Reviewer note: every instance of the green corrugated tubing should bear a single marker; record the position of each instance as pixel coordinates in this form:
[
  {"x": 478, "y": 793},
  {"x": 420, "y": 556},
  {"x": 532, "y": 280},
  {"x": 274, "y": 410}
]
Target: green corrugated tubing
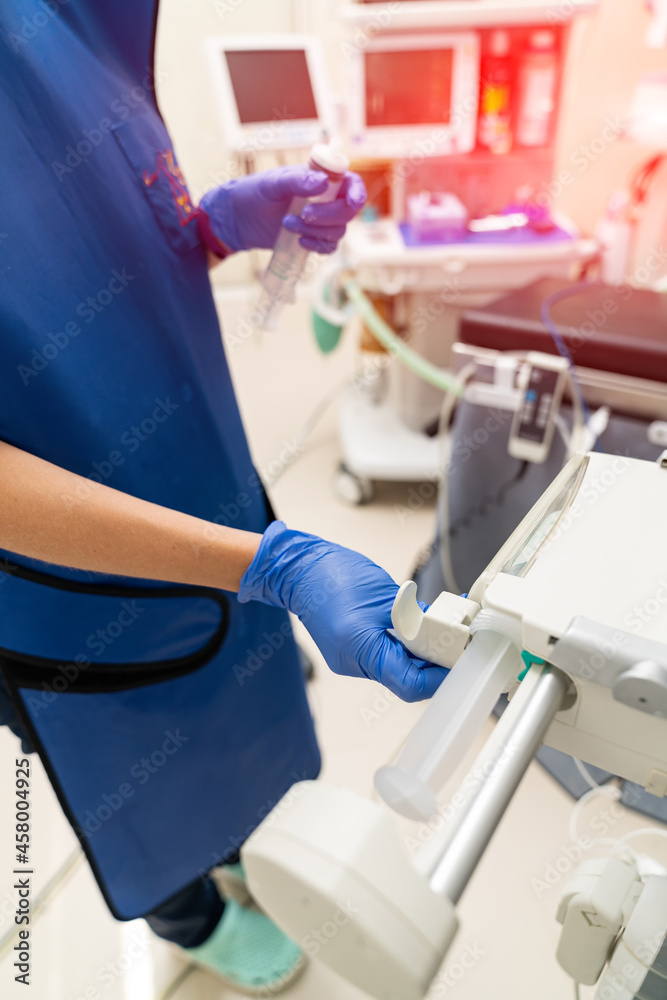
[{"x": 438, "y": 377}]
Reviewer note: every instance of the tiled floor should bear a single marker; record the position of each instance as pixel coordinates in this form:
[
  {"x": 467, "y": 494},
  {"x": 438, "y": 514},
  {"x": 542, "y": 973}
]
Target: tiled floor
[{"x": 508, "y": 928}]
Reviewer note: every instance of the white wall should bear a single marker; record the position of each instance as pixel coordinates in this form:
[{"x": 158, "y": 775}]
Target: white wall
[{"x": 607, "y": 56}]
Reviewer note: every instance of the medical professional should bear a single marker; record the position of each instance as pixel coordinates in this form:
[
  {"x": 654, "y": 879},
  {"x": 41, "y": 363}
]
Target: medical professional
[{"x": 145, "y": 586}]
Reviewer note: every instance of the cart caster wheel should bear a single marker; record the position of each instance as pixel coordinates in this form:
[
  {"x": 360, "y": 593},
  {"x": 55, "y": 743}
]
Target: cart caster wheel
[{"x": 350, "y": 488}]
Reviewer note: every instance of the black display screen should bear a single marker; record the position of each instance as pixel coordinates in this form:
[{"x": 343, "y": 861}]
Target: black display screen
[
  {"x": 271, "y": 85},
  {"x": 537, "y": 403}
]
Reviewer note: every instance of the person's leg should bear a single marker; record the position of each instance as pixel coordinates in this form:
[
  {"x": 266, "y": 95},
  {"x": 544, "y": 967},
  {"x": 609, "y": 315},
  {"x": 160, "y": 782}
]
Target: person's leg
[
  {"x": 240, "y": 945},
  {"x": 189, "y": 918}
]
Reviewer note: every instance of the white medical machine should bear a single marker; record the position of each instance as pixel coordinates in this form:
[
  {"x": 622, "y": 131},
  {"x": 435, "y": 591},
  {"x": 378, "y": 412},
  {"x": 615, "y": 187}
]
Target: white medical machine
[
  {"x": 382, "y": 431},
  {"x": 415, "y": 92},
  {"x": 569, "y": 619},
  {"x": 272, "y": 91}
]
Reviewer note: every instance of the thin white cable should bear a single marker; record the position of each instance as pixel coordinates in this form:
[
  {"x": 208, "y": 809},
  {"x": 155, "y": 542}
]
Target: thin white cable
[
  {"x": 448, "y": 405},
  {"x": 611, "y": 791},
  {"x": 644, "y": 831},
  {"x": 585, "y": 773},
  {"x": 618, "y": 844},
  {"x": 305, "y": 431},
  {"x": 595, "y": 428}
]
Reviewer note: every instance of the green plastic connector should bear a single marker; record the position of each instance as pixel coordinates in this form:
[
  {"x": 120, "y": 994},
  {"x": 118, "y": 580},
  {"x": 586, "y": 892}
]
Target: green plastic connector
[{"x": 529, "y": 659}]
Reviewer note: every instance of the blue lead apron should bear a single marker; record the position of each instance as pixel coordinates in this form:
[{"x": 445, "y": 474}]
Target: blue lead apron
[{"x": 170, "y": 719}]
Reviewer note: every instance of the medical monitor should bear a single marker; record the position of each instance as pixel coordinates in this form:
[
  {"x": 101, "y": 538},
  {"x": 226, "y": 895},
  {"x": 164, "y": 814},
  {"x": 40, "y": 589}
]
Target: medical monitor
[
  {"x": 272, "y": 90},
  {"x": 414, "y": 95}
]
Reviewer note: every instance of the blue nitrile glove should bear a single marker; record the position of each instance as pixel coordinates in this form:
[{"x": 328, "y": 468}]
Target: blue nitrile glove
[
  {"x": 248, "y": 212},
  {"x": 345, "y": 602}
]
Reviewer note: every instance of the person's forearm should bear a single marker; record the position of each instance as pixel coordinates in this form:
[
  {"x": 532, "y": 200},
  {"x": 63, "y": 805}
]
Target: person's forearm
[{"x": 50, "y": 514}]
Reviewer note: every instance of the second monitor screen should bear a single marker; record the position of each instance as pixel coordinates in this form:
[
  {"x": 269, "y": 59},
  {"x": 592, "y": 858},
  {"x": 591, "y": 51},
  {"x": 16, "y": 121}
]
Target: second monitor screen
[{"x": 412, "y": 87}]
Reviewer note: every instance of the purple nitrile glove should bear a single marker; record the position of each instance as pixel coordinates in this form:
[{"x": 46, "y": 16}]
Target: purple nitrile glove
[
  {"x": 248, "y": 212},
  {"x": 345, "y": 602}
]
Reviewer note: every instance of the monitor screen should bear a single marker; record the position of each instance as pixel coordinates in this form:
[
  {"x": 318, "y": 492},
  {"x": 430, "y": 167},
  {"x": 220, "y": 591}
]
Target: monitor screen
[
  {"x": 408, "y": 87},
  {"x": 271, "y": 84}
]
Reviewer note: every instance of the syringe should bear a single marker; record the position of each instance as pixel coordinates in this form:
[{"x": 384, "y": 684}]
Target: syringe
[{"x": 289, "y": 257}]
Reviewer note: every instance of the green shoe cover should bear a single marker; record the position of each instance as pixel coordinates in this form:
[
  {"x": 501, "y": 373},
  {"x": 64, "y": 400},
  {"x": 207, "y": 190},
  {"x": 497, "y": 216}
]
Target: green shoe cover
[{"x": 249, "y": 952}]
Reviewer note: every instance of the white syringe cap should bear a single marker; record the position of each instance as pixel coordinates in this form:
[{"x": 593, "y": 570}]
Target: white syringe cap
[{"x": 329, "y": 156}]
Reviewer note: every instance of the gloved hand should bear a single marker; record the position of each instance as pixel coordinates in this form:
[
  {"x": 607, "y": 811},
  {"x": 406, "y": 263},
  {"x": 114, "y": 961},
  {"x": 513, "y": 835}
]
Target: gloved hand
[
  {"x": 248, "y": 212},
  {"x": 345, "y": 602}
]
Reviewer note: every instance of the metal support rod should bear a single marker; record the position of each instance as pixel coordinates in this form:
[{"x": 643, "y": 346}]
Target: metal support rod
[{"x": 500, "y": 773}]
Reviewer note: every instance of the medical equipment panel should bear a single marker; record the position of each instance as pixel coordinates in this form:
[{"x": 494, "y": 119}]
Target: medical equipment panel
[
  {"x": 272, "y": 91},
  {"x": 414, "y": 92},
  {"x": 542, "y": 382},
  {"x": 613, "y": 328},
  {"x": 551, "y": 617}
]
